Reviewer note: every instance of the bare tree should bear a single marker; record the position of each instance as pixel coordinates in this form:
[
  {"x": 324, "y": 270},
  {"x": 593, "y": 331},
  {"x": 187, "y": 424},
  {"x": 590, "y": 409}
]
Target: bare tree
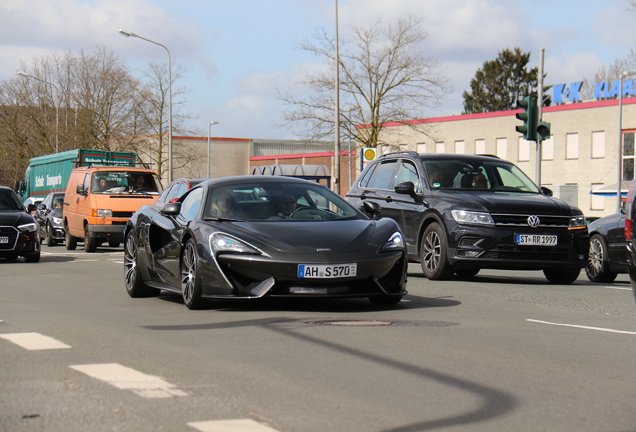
[
  {"x": 88, "y": 100},
  {"x": 385, "y": 77},
  {"x": 150, "y": 118}
]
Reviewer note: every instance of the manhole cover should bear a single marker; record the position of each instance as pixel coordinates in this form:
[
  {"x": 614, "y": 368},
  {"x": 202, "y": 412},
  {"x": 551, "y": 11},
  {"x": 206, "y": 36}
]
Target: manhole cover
[
  {"x": 354, "y": 323},
  {"x": 363, "y": 323}
]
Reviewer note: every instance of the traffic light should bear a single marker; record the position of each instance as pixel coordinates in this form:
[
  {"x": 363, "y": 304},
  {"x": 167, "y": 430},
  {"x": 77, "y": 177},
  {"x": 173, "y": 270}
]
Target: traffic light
[
  {"x": 543, "y": 131},
  {"x": 529, "y": 118}
]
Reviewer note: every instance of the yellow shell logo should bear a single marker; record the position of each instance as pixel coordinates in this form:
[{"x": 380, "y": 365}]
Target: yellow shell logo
[{"x": 369, "y": 154}]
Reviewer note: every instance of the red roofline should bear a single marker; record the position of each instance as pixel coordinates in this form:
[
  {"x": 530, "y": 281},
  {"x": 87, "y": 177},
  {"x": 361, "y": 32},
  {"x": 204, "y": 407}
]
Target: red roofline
[
  {"x": 212, "y": 138},
  {"x": 556, "y": 108},
  {"x": 300, "y": 155}
]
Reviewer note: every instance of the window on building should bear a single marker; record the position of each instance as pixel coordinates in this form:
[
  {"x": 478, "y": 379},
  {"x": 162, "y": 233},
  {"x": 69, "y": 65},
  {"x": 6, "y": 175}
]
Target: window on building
[
  {"x": 628, "y": 155},
  {"x": 439, "y": 147},
  {"x": 524, "y": 150},
  {"x": 597, "y": 202},
  {"x": 460, "y": 147},
  {"x": 598, "y": 144},
  {"x": 480, "y": 146},
  {"x": 572, "y": 146},
  {"x": 502, "y": 147},
  {"x": 421, "y": 147},
  {"x": 404, "y": 147},
  {"x": 547, "y": 149}
]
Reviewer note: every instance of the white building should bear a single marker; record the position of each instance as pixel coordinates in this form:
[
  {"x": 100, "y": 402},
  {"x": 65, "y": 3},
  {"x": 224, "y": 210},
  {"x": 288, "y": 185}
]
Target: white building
[{"x": 580, "y": 157}]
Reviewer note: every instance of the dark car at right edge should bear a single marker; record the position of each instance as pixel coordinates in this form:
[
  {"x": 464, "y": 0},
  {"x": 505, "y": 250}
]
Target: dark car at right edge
[{"x": 463, "y": 213}]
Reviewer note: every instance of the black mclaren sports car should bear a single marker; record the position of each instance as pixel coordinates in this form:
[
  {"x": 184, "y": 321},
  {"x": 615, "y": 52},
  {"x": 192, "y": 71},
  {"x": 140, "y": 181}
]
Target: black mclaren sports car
[{"x": 251, "y": 237}]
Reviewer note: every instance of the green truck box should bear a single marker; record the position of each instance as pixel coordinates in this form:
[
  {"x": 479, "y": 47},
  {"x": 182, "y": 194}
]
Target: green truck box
[{"x": 50, "y": 173}]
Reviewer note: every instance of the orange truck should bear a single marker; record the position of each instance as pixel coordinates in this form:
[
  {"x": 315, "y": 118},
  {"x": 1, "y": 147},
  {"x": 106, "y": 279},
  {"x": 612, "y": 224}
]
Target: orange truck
[{"x": 99, "y": 200}]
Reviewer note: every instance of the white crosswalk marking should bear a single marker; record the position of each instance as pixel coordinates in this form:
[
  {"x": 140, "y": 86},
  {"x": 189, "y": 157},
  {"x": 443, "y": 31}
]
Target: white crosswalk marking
[
  {"x": 122, "y": 377},
  {"x": 34, "y": 341},
  {"x": 240, "y": 425}
]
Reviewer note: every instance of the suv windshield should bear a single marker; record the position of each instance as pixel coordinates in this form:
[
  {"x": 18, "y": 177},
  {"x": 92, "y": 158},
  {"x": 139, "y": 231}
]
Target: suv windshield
[
  {"x": 124, "y": 182},
  {"x": 495, "y": 175}
]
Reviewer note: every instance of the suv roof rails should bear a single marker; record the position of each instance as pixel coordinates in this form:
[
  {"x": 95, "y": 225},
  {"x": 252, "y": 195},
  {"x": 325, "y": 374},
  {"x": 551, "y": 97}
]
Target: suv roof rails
[
  {"x": 489, "y": 155},
  {"x": 404, "y": 152}
]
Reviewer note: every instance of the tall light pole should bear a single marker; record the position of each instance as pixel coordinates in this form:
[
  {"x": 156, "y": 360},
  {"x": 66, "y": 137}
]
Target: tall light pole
[
  {"x": 336, "y": 166},
  {"x": 212, "y": 123},
  {"x": 57, "y": 106},
  {"x": 128, "y": 34},
  {"x": 624, "y": 75}
]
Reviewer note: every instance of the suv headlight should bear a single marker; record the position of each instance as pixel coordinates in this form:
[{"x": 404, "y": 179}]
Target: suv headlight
[
  {"x": 27, "y": 228},
  {"x": 224, "y": 243},
  {"x": 57, "y": 220},
  {"x": 394, "y": 242},
  {"x": 472, "y": 218},
  {"x": 577, "y": 222}
]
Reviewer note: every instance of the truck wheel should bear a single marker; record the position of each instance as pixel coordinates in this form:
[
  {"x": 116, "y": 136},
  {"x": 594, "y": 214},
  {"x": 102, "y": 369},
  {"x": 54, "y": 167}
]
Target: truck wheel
[
  {"x": 433, "y": 254},
  {"x": 90, "y": 243},
  {"x": 71, "y": 241}
]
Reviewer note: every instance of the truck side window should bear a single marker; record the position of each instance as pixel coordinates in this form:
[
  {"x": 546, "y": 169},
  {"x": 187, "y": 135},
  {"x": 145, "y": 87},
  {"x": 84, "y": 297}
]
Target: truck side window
[{"x": 87, "y": 181}]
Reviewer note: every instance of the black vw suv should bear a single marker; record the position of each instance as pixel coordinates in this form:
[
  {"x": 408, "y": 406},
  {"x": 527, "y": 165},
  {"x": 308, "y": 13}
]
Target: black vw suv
[{"x": 462, "y": 213}]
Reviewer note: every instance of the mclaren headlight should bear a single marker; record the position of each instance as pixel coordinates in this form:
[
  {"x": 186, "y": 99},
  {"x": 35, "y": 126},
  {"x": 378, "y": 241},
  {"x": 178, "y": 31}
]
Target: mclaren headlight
[
  {"x": 394, "y": 242},
  {"x": 467, "y": 217},
  {"x": 223, "y": 243},
  {"x": 577, "y": 222},
  {"x": 27, "y": 228}
]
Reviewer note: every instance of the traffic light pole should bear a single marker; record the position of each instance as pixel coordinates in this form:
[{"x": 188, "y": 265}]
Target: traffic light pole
[{"x": 539, "y": 114}]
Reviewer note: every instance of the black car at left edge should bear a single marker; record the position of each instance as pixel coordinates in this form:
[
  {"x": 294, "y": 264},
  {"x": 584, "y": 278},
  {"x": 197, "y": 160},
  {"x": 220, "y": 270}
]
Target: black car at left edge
[
  {"x": 250, "y": 237},
  {"x": 18, "y": 230}
]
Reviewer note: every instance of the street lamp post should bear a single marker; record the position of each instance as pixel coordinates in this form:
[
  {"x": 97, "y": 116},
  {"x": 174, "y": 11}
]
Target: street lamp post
[
  {"x": 619, "y": 184},
  {"x": 128, "y": 34},
  {"x": 57, "y": 106},
  {"x": 212, "y": 123}
]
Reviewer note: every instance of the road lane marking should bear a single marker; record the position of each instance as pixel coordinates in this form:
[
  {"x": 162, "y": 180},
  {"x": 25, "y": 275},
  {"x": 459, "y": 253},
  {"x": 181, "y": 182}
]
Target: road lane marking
[
  {"x": 617, "y": 288},
  {"x": 583, "y": 327},
  {"x": 34, "y": 341},
  {"x": 122, "y": 377},
  {"x": 239, "y": 425}
]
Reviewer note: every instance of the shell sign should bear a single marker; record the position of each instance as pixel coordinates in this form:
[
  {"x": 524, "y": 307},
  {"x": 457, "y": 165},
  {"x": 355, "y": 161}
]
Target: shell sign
[{"x": 368, "y": 154}]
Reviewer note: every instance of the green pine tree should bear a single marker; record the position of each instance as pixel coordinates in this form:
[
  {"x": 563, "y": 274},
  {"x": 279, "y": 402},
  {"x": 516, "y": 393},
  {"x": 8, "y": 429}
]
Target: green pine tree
[{"x": 500, "y": 83}]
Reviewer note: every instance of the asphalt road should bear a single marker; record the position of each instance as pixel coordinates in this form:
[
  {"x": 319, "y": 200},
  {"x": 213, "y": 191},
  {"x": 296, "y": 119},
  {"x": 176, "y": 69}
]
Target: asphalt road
[{"x": 506, "y": 351}]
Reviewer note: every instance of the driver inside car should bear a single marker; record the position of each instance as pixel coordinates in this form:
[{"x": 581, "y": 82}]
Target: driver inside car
[{"x": 285, "y": 206}]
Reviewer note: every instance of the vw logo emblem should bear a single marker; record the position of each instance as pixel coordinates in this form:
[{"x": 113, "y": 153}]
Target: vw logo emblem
[{"x": 533, "y": 221}]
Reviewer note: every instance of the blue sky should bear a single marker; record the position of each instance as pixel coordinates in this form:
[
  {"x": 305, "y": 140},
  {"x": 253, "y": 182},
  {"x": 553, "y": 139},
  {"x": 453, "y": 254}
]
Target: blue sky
[{"x": 239, "y": 52}]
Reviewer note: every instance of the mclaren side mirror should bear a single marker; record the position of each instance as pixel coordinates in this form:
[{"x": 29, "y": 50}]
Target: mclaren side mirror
[
  {"x": 372, "y": 208},
  {"x": 171, "y": 209}
]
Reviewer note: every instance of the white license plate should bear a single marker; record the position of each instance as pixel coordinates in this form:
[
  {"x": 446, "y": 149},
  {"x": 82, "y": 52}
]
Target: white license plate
[
  {"x": 4, "y": 239},
  {"x": 322, "y": 271},
  {"x": 535, "y": 240}
]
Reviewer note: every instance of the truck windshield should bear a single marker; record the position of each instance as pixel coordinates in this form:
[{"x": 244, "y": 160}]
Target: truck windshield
[{"x": 125, "y": 182}]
